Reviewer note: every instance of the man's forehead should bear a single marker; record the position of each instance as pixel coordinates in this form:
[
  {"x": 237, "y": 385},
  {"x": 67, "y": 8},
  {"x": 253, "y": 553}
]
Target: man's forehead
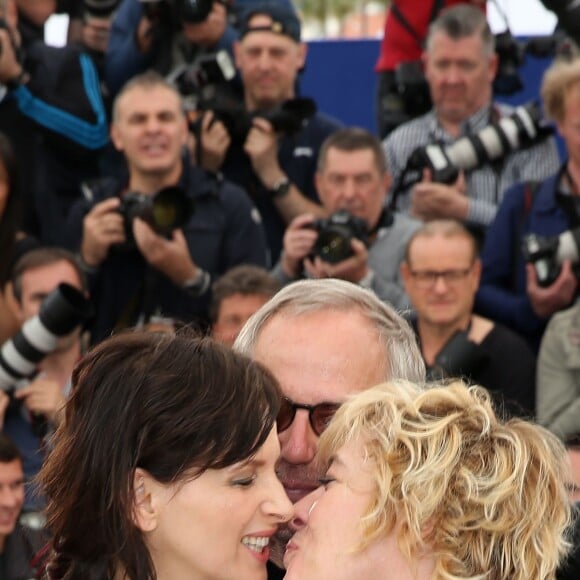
[
  {"x": 156, "y": 97},
  {"x": 359, "y": 159}
]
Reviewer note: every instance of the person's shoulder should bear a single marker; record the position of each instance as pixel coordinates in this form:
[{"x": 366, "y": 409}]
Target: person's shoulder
[
  {"x": 412, "y": 127},
  {"x": 502, "y": 337},
  {"x": 565, "y": 318}
]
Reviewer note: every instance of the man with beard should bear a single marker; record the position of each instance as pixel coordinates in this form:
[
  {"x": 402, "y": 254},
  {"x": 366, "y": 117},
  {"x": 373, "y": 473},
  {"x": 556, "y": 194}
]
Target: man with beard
[
  {"x": 36, "y": 274},
  {"x": 323, "y": 340}
]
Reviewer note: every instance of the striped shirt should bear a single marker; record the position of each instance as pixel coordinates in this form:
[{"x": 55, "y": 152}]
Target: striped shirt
[{"x": 485, "y": 185}]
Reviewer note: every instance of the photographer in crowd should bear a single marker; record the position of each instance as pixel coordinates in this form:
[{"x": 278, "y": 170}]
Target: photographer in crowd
[
  {"x": 36, "y": 275},
  {"x": 276, "y": 169},
  {"x": 18, "y": 543},
  {"x": 510, "y": 291},
  {"x": 365, "y": 245},
  {"x": 460, "y": 66},
  {"x": 235, "y": 297},
  {"x": 52, "y": 111},
  {"x": 153, "y": 240},
  {"x": 402, "y": 44},
  {"x": 441, "y": 273}
]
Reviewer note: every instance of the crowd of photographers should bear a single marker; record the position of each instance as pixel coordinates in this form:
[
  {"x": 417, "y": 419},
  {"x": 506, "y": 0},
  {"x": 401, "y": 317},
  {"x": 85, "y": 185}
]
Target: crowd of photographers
[{"x": 167, "y": 147}]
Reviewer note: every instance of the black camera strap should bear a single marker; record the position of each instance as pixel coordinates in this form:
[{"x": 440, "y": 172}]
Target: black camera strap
[{"x": 435, "y": 9}]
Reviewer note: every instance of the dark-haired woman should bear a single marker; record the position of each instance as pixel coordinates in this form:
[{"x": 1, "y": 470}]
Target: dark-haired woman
[{"x": 164, "y": 467}]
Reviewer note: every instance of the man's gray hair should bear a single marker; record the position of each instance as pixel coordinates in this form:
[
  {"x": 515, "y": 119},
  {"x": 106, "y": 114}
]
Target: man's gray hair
[
  {"x": 402, "y": 354},
  {"x": 462, "y": 21}
]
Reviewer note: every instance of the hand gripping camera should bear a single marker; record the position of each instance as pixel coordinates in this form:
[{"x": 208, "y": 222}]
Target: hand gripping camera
[
  {"x": 62, "y": 311},
  {"x": 522, "y": 129},
  {"x": 548, "y": 253},
  {"x": 335, "y": 234}
]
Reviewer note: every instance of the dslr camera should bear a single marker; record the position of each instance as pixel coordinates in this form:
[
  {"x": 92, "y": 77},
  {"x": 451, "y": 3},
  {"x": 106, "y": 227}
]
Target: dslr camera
[
  {"x": 548, "y": 253},
  {"x": 335, "y": 234},
  {"x": 178, "y": 10},
  {"x": 167, "y": 210}
]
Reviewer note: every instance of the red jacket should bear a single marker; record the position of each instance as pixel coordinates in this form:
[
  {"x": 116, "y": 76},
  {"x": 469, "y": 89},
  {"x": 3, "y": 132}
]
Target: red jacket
[{"x": 398, "y": 44}]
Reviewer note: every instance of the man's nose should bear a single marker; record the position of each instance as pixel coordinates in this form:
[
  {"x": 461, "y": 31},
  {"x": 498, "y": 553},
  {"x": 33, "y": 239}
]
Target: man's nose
[{"x": 299, "y": 442}]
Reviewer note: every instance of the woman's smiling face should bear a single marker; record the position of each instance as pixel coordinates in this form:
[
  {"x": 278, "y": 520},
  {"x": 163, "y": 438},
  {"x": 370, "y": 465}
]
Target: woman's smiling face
[{"x": 218, "y": 525}]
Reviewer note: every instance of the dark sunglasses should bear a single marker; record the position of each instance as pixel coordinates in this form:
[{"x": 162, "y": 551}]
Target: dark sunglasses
[{"x": 318, "y": 415}]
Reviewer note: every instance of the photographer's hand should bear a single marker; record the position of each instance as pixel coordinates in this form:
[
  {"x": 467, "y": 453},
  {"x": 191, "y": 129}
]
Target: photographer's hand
[
  {"x": 43, "y": 396},
  {"x": 547, "y": 301},
  {"x": 298, "y": 242},
  {"x": 171, "y": 257},
  {"x": 209, "y": 32},
  {"x": 102, "y": 227},
  {"x": 4, "y": 402},
  {"x": 262, "y": 148},
  {"x": 431, "y": 200},
  {"x": 10, "y": 68},
  {"x": 353, "y": 269},
  {"x": 144, "y": 35},
  {"x": 215, "y": 141}
]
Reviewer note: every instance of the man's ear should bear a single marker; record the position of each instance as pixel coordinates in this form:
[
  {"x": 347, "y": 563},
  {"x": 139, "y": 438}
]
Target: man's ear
[
  {"x": 145, "y": 501},
  {"x": 115, "y": 137}
]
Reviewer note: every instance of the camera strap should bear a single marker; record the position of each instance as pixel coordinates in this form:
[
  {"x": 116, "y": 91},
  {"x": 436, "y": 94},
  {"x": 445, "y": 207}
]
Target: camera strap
[{"x": 435, "y": 9}]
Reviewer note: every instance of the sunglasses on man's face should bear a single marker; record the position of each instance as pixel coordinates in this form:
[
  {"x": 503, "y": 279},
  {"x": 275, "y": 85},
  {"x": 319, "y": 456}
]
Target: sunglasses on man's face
[{"x": 318, "y": 415}]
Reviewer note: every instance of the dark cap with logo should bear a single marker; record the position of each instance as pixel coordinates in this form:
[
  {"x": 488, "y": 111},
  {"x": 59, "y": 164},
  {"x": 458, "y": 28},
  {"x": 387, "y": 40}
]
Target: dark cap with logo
[{"x": 284, "y": 20}]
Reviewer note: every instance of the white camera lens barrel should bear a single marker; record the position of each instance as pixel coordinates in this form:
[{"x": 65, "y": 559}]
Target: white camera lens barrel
[{"x": 568, "y": 246}]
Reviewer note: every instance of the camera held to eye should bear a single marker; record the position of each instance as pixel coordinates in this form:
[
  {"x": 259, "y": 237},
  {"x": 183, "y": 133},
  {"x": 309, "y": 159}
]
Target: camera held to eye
[
  {"x": 167, "y": 210},
  {"x": 335, "y": 235},
  {"x": 192, "y": 11}
]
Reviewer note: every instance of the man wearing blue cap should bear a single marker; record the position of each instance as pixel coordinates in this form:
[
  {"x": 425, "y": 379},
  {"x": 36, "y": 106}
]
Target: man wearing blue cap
[{"x": 276, "y": 170}]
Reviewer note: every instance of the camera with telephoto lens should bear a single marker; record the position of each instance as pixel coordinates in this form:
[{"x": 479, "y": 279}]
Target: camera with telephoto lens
[
  {"x": 524, "y": 128},
  {"x": 335, "y": 235},
  {"x": 547, "y": 253},
  {"x": 167, "y": 210},
  {"x": 63, "y": 310}
]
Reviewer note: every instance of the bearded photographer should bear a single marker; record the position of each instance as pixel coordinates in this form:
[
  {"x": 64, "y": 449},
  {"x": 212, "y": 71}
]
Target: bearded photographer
[
  {"x": 351, "y": 176},
  {"x": 510, "y": 290},
  {"x": 148, "y": 255},
  {"x": 460, "y": 67}
]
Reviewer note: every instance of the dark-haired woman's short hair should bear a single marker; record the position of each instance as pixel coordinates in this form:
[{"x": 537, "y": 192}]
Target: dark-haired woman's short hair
[{"x": 172, "y": 405}]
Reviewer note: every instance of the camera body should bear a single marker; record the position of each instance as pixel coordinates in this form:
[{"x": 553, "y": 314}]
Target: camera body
[
  {"x": 192, "y": 11},
  {"x": 335, "y": 234},
  {"x": 169, "y": 209},
  {"x": 548, "y": 253}
]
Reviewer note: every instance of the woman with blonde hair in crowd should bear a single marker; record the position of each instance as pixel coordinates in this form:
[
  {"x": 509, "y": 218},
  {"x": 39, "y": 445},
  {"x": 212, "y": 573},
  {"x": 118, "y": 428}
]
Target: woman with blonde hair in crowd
[{"x": 429, "y": 484}]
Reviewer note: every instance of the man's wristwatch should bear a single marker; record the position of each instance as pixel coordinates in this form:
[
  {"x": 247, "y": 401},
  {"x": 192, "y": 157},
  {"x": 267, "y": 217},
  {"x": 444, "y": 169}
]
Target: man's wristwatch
[
  {"x": 199, "y": 284},
  {"x": 280, "y": 189}
]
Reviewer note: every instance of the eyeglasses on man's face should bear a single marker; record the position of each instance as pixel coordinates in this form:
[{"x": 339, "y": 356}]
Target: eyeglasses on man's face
[
  {"x": 451, "y": 277},
  {"x": 318, "y": 415}
]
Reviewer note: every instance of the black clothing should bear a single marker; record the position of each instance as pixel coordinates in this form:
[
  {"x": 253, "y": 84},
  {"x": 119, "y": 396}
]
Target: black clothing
[
  {"x": 274, "y": 573},
  {"x": 224, "y": 231},
  {"x": 298, "y": 156},
  {"x": 506, "y": 366}
]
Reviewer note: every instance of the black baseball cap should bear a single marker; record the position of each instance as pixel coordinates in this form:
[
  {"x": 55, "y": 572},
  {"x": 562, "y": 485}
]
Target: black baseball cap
[{"x": 284, "y": 20}]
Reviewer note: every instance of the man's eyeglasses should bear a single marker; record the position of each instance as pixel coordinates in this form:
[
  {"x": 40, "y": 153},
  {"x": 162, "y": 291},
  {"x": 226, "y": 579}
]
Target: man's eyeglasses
[
  {"x": 318, "y": 415},
  {"x": 428, "y": 278}
]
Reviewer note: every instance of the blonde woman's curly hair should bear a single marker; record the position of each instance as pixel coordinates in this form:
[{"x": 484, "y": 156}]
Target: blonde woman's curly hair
[{"x": 487, "y": 498}]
